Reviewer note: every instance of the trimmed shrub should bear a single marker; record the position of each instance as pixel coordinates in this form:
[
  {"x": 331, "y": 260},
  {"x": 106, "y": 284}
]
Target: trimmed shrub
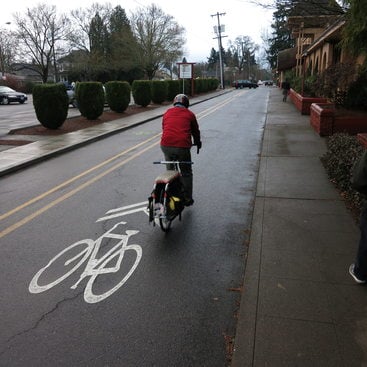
[
  {"x": 198, "y": 85},
  {"x": 159, "y": 91},
  {"x": 51, "y": 104},
  {"x": 173, "y": 88},
  {"x": 142, "y": 92},
  {"x": 90, "y": 99},
  {"x": 118, "y": 95},
  {"x": 357, "y": 93},
  {"x": 343, "y": 151},
  {"x": 185, "y": 85},
  {"x": 213, "y": 83}
]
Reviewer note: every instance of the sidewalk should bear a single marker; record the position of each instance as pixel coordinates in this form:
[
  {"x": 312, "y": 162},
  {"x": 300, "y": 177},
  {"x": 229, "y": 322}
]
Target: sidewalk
[
  {"x": 45, "y": 147},
  {"x": 299, "y": 307}
]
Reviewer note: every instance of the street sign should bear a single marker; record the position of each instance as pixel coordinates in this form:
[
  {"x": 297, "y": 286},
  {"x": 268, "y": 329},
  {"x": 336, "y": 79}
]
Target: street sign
[{"x": 185, "y": 71}]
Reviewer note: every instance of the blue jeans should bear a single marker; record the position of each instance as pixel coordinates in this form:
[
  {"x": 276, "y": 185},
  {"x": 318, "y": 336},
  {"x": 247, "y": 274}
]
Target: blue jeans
[{"x": 360, "y": 266}]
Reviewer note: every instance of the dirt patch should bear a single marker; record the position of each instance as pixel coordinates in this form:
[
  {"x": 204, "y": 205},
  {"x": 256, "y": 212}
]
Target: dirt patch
[
  {"x": 80, "y": 122},
  {"x": 15, "y": 143}
]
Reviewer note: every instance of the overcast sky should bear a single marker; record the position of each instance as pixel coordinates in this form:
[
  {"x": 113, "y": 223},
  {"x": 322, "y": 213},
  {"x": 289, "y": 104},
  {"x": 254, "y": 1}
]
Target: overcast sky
[{"x": 241, "y": 18}]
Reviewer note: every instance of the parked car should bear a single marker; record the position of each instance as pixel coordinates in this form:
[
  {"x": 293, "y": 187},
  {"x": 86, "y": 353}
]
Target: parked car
[
  {"x": 268, "y": 82},
  {"x": 8, "y": 95},
  {"x": 244, "y": 84}
]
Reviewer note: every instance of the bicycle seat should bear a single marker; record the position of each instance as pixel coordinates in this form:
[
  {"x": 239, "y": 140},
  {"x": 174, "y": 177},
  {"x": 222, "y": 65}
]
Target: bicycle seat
[{"x": 167, "y": 176}]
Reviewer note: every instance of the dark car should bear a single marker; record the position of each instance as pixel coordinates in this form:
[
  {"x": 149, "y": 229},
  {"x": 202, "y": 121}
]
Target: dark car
[
  {"x": 244, "y": 84},
  {"x": 8, "y": 95}
]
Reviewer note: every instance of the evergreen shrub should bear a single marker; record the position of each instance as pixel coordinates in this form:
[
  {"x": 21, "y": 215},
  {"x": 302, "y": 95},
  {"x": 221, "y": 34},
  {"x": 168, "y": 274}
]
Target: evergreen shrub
[
  {"x": 90, "y": 98},
  {"x": 51, "y": 104},
  {"x": 142, "y": 94},
  {"x": 357, "y": 93},
  {"x": 173, "y": 88},
  {"x": 118, "y": 95},
  {"x": 199, "y": 85},
  {"x": 159, "y": 91},
  {"x": 213, "y": 84},
  {"x": 342, "y": 152}
]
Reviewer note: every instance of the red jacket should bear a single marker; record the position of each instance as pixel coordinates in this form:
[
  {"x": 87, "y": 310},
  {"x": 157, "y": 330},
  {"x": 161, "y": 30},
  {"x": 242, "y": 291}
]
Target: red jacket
[{"x": 178, "y": 125}]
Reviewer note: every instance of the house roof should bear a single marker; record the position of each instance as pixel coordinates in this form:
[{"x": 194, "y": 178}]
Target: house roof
[
  {"x": 312, "y": 8},
  {"x": 287, "y": 59},
  {"x": 330, "y": 34},
  {"x": 314, "y": 14}
]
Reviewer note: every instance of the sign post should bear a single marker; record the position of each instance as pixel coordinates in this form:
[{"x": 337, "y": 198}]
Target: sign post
[{"x": 186, "y": 71}]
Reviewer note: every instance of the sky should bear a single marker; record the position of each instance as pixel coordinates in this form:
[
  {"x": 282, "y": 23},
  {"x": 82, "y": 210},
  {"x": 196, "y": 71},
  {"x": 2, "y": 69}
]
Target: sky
[{"x": 240, "y": 18}]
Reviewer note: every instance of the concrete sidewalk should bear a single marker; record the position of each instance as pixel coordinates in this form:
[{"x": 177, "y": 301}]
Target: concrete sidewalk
[{"x": 299, "y": 307}]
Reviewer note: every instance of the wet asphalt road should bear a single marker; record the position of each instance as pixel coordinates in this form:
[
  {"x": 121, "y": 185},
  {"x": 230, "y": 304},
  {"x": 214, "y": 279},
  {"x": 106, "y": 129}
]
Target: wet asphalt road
[{"x": 182, "y": 291}]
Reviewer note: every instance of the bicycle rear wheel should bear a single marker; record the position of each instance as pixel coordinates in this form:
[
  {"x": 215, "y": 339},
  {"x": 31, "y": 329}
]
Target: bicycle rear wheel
[
  {"x": 165, "y": 220},
  {"x": 165, "y": 224}
]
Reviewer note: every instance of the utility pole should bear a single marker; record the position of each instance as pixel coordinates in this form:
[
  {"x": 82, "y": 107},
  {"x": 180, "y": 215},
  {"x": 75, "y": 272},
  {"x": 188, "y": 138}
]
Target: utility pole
[{"x": 219, "y": 32}]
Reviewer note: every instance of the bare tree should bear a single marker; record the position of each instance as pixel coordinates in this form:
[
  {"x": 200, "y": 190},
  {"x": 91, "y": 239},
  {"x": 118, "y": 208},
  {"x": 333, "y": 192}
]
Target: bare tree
[
  {"x": 39, "y": 31},
  {"x": 245, "y": 50},
  {"x": 159, "y": 37},
  {"x": 8, "y": 50}
]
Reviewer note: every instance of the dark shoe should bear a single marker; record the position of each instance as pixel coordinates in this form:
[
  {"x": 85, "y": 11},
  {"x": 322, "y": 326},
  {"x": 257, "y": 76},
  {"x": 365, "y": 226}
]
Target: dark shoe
[
  {"x": 189, "y": 202},
  {"x": 351, "y": 272}
]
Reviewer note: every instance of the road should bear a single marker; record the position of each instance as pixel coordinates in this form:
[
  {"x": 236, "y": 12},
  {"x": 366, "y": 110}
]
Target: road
[{"x": 173, "y": 298}]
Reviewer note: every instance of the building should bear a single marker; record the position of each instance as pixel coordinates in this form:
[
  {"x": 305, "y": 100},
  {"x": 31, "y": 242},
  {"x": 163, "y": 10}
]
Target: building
[{"x": 317, "y": 31}]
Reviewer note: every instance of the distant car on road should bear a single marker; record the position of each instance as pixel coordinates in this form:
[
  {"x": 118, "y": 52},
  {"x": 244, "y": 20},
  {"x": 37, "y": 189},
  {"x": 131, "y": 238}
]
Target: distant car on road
[
  {"x": 8, "y": 95},
  {"x": 268, "y": 82},
  {"x": 244, "y": 84}
]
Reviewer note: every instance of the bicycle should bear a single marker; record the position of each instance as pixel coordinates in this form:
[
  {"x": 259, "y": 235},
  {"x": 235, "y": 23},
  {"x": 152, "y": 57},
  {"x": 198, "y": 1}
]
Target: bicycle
[
  {"x": 166, "y": 201},
  {"x": 108, "y": 263}
]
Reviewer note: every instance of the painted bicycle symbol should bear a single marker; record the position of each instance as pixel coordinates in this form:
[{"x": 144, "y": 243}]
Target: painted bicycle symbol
[{"x": 88, "y": 250}]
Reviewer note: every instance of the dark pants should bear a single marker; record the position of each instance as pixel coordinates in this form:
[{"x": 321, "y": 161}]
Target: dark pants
[
  {"x": 181, "y": 154},
  {"x": 360, "y": 267}
]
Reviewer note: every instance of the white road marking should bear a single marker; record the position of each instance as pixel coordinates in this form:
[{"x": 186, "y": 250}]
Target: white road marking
[{"x": 119, "y": 212}]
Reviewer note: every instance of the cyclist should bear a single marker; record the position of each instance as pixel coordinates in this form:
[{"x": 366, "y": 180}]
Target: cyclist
[{"x": 179, "y": 124}]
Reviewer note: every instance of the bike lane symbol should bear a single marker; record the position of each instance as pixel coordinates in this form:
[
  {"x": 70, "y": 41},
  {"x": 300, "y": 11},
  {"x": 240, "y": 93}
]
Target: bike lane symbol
[{"x": 86, "y": 251}]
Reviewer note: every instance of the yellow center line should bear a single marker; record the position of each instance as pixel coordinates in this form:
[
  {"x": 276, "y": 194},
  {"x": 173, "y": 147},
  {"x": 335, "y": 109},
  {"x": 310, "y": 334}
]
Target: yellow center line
[
  {"x": 65, "y": 183},
  {"x": 73, "y": 192},
  {"x": 89, "y": 182}
]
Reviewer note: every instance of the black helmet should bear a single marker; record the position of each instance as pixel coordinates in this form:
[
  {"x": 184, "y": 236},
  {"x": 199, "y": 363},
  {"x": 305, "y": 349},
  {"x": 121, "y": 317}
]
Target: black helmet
[{"x": 181, "y": 99}]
